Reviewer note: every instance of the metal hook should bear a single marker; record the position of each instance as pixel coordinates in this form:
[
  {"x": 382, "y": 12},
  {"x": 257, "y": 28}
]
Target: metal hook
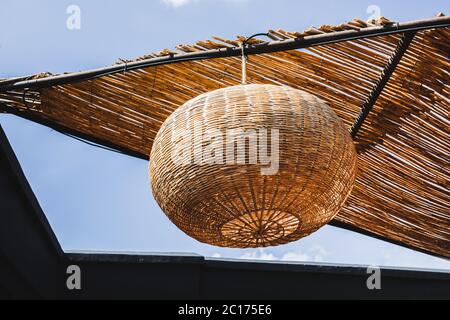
[{"x": 244, "y": 57}]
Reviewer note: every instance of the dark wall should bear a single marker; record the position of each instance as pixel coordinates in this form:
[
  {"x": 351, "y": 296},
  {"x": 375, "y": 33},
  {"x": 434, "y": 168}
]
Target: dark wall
[
  {"x": 29, "y": 252},
  {"x": 33, "y": 266},
  {"x": 187, "y": 277}
]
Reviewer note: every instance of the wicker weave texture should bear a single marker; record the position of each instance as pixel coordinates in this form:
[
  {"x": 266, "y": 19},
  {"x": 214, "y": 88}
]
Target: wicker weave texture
[{"x": 234, "y": 204}]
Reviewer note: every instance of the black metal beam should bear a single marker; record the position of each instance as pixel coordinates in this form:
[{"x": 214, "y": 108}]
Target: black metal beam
[
  {"x": 385, "y": 75},
  {"x": 274, "y": 46}
]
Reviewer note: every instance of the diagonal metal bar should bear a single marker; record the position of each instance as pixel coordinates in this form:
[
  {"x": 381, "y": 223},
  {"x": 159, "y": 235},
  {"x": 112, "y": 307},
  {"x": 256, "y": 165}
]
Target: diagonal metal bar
[{"x": 385, "y": 75}]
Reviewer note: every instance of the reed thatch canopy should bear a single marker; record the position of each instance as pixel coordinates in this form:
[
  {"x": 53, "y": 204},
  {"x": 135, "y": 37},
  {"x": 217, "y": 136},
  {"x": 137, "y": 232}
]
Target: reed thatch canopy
[{"x": 387, "y": 81}]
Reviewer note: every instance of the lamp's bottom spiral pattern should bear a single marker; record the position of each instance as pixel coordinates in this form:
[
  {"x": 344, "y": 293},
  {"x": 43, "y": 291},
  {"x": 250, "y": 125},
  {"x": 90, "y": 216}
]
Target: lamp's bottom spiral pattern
[{"x": 260, "y": 228}]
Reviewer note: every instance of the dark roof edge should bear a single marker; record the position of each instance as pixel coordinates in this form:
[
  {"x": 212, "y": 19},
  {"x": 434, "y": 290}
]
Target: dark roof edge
[
  {"x": 254, "y": 265},
  {"x": 133, "y": 257}
]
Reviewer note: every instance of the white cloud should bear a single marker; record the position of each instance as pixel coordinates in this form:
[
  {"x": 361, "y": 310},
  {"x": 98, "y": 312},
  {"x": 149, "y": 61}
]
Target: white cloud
[
  {"x": 315, "y": 254},
  {"x": 295, "y": 256},
  {"x": 179, "y": 3},
  {"x": 318, "y": 253},
  {"x": 259, "y": 254},
  {"x": 176, "y": 3}
]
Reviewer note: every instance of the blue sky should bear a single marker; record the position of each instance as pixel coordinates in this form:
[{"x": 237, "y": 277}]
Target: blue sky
[{"x": 99, "y": 200}]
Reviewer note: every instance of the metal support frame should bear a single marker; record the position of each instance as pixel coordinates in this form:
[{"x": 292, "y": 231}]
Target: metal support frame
[
  {"x": 273, "y": 46},
  {"x": 385, "y": 75}
]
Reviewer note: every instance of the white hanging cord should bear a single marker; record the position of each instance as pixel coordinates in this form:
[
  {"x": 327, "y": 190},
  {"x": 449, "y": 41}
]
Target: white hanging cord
[{"x": 244, "y": 65}]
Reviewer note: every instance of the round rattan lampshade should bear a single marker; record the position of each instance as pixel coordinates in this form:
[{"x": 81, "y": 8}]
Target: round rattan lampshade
[{"x": 302, "y": 173}]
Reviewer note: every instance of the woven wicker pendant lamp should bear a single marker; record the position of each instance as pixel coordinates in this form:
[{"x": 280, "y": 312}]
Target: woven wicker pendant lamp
[{"x": 252, "y": 165}]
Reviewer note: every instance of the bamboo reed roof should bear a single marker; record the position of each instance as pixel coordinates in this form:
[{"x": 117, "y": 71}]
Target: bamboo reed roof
[{"x": 401, "y": 192}]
